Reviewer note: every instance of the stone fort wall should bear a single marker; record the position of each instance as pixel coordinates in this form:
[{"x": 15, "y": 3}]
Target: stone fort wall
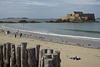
[{"x": 79, "y": 16}]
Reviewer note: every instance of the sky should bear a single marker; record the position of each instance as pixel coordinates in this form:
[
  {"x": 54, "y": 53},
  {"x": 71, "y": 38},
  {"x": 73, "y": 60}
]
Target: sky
[{"x": 47, "y": 8}]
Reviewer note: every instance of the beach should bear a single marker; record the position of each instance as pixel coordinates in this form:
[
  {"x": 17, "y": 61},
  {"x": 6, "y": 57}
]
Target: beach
[
  {"x": 49, "y": 33},
  {"x": 90, "y": 57},
  {"x": 81, "y": 41}
]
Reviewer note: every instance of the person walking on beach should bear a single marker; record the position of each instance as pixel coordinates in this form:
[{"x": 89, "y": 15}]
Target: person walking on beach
[
  {"x": 20, "y": 35},
  {"x": 15, "y": 35},
  {"x": 18, "y": 31}
]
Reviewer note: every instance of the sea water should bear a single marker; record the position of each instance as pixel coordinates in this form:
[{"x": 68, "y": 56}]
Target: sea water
[{"x": 75, "y": 30}]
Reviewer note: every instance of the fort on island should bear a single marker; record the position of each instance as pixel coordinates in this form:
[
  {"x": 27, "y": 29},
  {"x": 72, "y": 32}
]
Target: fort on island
[{"x": 77, "y": 16}]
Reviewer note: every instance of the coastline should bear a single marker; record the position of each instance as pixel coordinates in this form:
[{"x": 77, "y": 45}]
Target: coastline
[
  {"x": 75, "y": 41},
  {"x": 20, "y": 21},
  {"x": 89, "y": 57}
]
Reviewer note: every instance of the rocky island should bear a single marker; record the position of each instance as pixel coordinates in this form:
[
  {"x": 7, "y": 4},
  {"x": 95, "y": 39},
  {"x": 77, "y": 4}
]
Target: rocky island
[
  {"x": 16, "y": 18},
  {"x": 76, "y": 17},
  {"x": 21, "y": 21},
  {"x": 79, "y": 17}
]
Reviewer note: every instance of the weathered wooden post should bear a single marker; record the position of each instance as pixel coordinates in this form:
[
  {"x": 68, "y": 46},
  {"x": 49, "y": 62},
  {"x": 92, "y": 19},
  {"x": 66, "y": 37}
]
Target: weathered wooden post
[
  {"x": 8, "y": 52},
  {"x": 23, "y": 52},
  {"x": 48, "y": 56},
  {"x": 18, "y": 56},
  {"x": 43, "y": 52},
  {"x": 37, "y": 54},
  {"x": 42, "y": 62},
  {"x": 13, "y": 56},
  {"x": 55, "y": 60},
  {"x": 1, "y": 55},
  {"x": 4, "y": 52},
  {"x": 26, "y": 57},
  {"x": 48, "y": 63},
  {"x": 31, "y": 57},
  {"x": 59, "y": 60},
  {"x": 50, "y": 51}
]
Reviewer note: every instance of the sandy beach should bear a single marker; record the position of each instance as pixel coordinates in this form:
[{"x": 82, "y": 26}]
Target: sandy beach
[
  {"x": 49, "y": 33},
  {"x": 90, "y": 57}
]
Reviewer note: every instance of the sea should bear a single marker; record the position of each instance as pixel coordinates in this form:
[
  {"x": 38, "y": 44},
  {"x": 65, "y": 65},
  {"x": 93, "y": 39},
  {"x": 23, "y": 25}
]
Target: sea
[{"x": 75, "y": 30}]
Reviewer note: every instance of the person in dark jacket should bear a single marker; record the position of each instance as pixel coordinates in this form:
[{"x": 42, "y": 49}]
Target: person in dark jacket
[
  {"x": 20, "y": 35},
  {"x": 15, "y": 35}
]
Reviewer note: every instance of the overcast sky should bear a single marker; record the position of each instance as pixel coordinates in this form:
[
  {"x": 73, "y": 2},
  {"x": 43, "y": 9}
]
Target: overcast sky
[{"x": 47, "y": 8}]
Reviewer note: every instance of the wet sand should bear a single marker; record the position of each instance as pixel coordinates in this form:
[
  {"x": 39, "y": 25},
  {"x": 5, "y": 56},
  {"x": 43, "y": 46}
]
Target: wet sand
[{"x": 90, "y": 57}]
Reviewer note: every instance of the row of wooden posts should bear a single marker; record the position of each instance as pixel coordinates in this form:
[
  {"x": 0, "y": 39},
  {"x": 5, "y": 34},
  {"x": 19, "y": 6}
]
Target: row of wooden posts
[{"x": 28, "y": 57}]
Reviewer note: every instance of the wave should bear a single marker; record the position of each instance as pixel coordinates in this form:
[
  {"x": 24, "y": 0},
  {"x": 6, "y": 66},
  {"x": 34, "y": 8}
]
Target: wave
[
  {"x": 83, "y": 31},
  {"x": 9, "y": 28},
  {"x": 54, "y": 34}
]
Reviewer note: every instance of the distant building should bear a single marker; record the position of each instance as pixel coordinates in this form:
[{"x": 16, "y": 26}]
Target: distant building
[{"x": 79, "y": 17}]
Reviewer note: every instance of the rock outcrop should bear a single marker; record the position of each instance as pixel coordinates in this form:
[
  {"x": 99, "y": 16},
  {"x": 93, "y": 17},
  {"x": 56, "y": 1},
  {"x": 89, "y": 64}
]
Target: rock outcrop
[{"x": 21, "y": 21}]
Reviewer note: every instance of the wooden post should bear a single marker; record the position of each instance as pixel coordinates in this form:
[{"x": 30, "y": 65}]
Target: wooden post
[
  {"x": 48, "y": 56},
  {"x": 31, "y": 57},
  {"x": 50, "y": 51},
  {"x": 48, "y": 63},
  {"x": 23, "y": 51},
  {"x": 42, "y": 62},
  {"x": 1, "y": 56},
  {"x": 43, "y": 52},
  {"x": 18, "y": 56},
  {"x": 7, "y": 62},
  {"x": 55, "y": 60},
  {"x": 4, "y": 52},
  {"x": 59, "y": 60},
  {"x": 37, "y": 54},
  {"x": 26, "y": 57},
  {"x": 13, "y": 56}
]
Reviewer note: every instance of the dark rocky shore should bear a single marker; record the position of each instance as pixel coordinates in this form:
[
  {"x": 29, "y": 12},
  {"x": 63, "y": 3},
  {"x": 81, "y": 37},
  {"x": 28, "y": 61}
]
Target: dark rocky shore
[
  {"x": 66, "y": 21},
  {"x": 21, "y": 21}
]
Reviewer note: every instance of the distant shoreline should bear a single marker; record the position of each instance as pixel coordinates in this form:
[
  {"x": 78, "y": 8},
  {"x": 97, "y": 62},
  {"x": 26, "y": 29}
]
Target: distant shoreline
[
  {"x": 48, "y": 21},
  {"x": 21, "y": 21},
  {"x": 71, "y": 22},
  {"x": 16, "y": 18}
]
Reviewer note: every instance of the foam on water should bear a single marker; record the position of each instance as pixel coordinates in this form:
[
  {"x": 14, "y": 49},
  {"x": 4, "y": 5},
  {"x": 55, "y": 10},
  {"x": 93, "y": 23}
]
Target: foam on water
[{"x": 54, "y": 34}]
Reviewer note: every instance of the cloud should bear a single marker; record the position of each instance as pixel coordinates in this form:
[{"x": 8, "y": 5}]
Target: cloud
[
  {"x": 81, "y": 2},
  {"x": 49, "y": 3},
  {"x": 27, "y": 2},
  {"x": 46, "y": 8},
  {"x": 36, "y": 3}
]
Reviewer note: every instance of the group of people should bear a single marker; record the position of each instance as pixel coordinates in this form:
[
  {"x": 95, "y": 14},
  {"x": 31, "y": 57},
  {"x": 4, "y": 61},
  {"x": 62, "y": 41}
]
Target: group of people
[
  {"x": 7, "y": 32},
  {"x": 17, "y": 34}
]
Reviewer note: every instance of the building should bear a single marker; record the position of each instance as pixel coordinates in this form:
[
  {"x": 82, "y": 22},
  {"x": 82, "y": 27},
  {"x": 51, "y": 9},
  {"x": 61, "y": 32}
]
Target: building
[{"x": 79, "y": 17}]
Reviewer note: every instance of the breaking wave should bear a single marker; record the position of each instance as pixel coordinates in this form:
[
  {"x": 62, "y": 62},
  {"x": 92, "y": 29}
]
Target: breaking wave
[
  {"x": 83, "y": 31},
  {"x": 54, "y": 34}
]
